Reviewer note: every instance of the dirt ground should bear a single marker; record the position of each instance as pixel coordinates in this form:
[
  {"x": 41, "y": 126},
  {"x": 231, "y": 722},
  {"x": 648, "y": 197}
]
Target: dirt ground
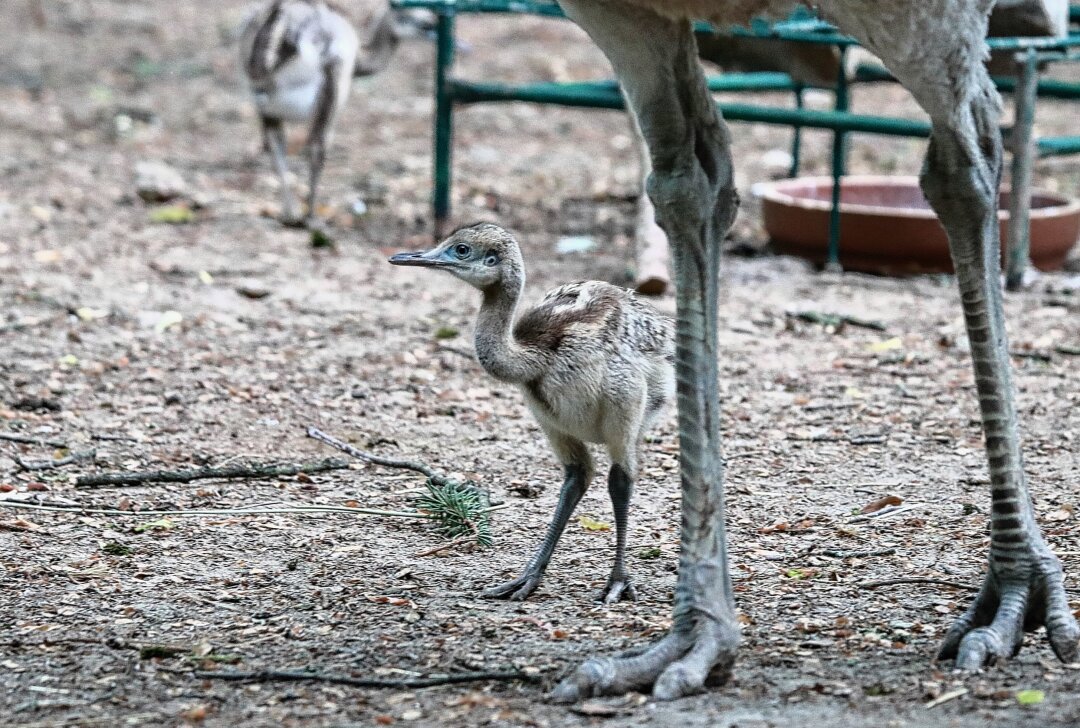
[{"x": 103, "y": 618}]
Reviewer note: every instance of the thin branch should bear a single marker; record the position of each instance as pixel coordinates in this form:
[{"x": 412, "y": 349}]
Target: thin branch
[
  {"x": 468, "y": 538},
  {"x": 448, "y": 545},
  {"x": 27, "y": 440},
  {"x": 186, "y": 476},
  {"x": 214, "y": 511},
  {"x": 916, "y": 580},
  {"x": 855, "y": 554},
  {"x": 411, "y": 682},
  {"x": 870, "y": 439},
  {"x": 226, "y": 511},
  {"x": 837, "y": 321},
  {"x": 368, "y": 457},
  {"x": 74, "y": 457},
  {"x": 886, "y": 512}
]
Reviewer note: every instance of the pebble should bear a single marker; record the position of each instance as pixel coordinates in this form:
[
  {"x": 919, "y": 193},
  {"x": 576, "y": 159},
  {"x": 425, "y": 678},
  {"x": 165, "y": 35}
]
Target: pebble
[{"x": 158, "y": 182}]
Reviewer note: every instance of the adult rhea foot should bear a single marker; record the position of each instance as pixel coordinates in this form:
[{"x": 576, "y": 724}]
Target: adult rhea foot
[
  {"x": 992, "y": 629},
  {"x": 516, "y": 590},
  {"x": 678, "y": 665},
  {"x": 619, "y": 588}
]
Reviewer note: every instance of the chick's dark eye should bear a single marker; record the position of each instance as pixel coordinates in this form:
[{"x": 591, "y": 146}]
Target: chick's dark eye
[
  {"x": 462, "y": 250},
  {"x": 491, "y": 260}
]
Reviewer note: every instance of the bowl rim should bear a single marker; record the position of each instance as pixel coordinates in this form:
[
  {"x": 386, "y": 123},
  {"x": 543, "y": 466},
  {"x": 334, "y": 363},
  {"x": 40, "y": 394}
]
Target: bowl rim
[{"x": 772, "y": 192}]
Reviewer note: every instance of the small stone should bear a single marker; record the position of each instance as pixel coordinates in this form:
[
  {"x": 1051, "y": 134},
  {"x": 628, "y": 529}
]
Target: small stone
[
  {"x": 158, "y": 182},
  {"x": 253, "y": 289},
  {"x": 173, "y": 398},
  {"x": 575, "y": 244}
]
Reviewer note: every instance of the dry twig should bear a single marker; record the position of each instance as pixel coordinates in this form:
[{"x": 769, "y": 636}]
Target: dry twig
[
  {"x": 410, "y": 682},
  {"x": 28, "y": 440},
  {"x": 371, "y": 457},
  {"x": 186, "y": 476},
  {"x": 916, "y": 580},
  {"x": 74, "y": 457},
  {"x": 259, "y": 511},
  {"x": 855, "y": 554}
]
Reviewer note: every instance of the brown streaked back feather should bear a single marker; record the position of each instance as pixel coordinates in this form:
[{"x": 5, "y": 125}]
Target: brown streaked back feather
[{"x": 609, "y": 316}]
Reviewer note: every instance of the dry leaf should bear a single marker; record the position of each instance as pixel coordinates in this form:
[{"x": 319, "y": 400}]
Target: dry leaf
[
  {"x": 591, "y": 524},
  {"x": 883, "y": 502},
  {"x": 886, "y": 344},
  {"x": 1061, "y": 514}
]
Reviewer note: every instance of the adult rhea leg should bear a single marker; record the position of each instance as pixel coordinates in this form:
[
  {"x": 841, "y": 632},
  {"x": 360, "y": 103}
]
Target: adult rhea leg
[
  {"x": 579, "y": 470},
  {"x": 1024, "y": 586},
  {"x": 691, "y": 187}
]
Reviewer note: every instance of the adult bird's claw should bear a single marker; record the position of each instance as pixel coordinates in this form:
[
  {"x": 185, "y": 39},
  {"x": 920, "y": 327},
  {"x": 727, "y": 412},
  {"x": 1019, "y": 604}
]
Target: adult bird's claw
[{"x": 516, "y": 590}]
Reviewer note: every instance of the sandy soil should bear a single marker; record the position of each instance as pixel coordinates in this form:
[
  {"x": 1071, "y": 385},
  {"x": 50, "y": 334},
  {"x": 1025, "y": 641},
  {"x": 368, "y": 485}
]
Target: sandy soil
[{"x": 273, "y": 335}]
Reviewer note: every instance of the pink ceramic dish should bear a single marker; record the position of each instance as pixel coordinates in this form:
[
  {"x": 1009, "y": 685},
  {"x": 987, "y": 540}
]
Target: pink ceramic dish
[{"x": 887, "y": 227}]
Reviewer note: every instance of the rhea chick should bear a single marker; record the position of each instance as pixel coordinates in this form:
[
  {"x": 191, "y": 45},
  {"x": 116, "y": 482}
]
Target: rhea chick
[
  {"x": 298, "y": 56},
  {"x": 595, "y": 365}
]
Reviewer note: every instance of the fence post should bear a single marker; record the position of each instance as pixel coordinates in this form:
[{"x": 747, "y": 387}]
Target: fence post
[
  {"x": 444, "y": 118},
  {"x": 1023, "y": 152}
]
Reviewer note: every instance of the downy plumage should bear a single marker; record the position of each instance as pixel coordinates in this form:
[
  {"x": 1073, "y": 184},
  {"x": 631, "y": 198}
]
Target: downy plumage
[{"x": 593, "y": 361}]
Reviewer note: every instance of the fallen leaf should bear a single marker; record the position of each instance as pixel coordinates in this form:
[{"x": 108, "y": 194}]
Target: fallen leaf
[
  {"x": 886, "y": 344},
  {"x": 883, "y": 502},
  {"x": 167, "y": 321},
  {"x": 19, "y": 524},
  {"x": 1030, "y": 697},
  {"x": 591, "y": 524},
  {"x": 597, "y": 708},
  {"x": 196, "y": 714},
  {"x": 85, "y": 313},
  {"x": 161, "y": 524},
  {"x": 1061, "y": 514},
  {"x": 172, "y": 215}
]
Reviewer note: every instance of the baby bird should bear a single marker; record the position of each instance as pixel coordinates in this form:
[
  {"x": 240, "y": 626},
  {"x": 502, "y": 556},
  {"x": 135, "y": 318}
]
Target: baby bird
[
  {"x": 595, "y": 364},
  {"x": 298, "y": 56}
]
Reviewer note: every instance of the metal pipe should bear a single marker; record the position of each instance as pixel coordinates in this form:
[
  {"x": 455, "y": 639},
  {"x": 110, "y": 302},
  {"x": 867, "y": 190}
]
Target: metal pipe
[
  {"x": 444, "y": 118},
  {"x": 839, "y": 159},
  {"x": 796, "y": 137},
  {"x": 1023, "y": 153}
]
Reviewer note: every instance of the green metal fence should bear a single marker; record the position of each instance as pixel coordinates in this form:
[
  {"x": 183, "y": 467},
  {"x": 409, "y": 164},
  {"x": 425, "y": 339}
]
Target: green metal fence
[{"x": 1032, "y": 55}]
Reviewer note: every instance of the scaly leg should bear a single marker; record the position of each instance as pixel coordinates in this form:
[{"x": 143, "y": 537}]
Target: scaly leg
[
  {"x": 274, "y": 138},
  {"x": 579, "y": 468},
  {"x": 620, "y": 488},
  {"x": 691, "y": 186},
  {"x": 1024, "y": 587}
]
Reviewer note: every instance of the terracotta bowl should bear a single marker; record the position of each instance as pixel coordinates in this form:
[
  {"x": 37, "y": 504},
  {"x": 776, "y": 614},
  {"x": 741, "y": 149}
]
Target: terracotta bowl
[{"x": 887, "y": 227}]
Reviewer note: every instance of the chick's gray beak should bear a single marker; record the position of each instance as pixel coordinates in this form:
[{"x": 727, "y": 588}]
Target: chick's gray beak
[{"x": 424, "y": 258}]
